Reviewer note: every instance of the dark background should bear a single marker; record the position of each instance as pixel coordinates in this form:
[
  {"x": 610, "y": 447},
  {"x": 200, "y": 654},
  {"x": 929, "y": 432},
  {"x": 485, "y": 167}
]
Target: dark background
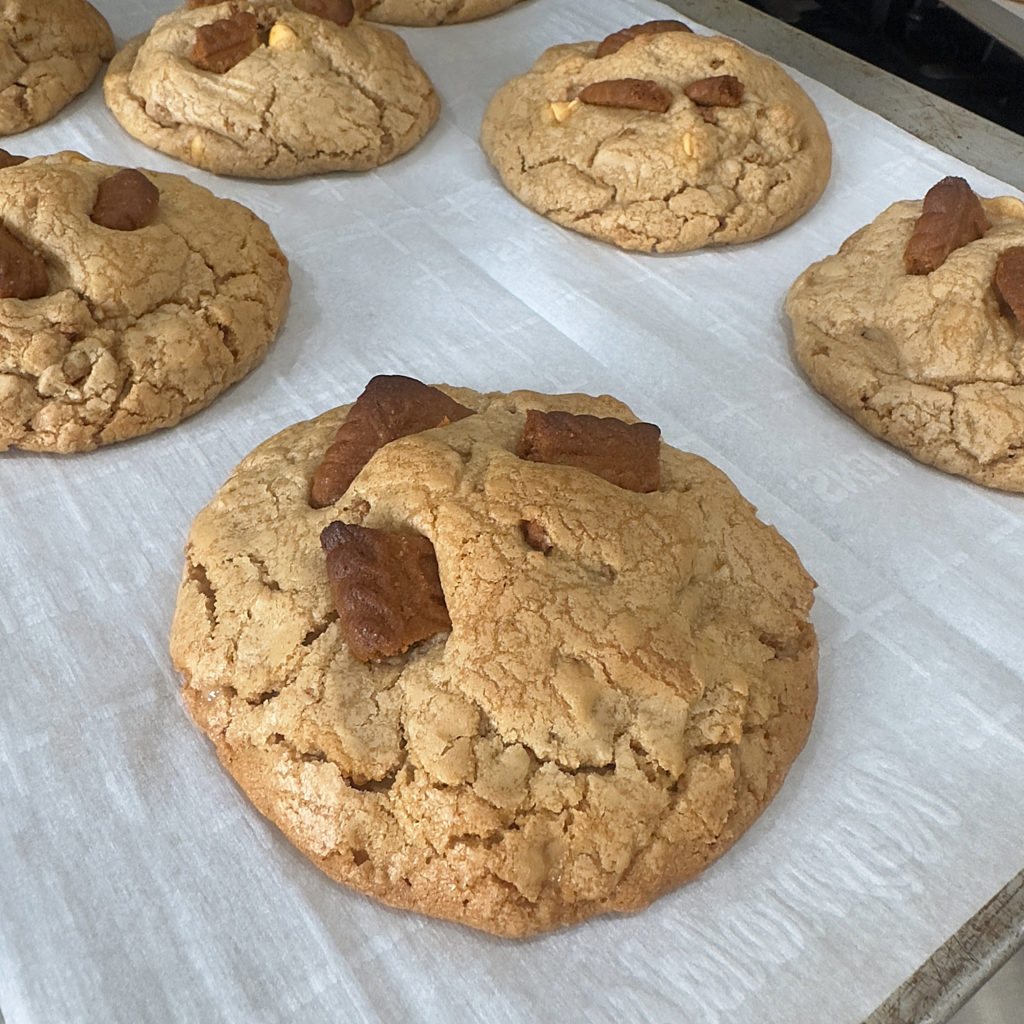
[{"x": 923, "y": 42}]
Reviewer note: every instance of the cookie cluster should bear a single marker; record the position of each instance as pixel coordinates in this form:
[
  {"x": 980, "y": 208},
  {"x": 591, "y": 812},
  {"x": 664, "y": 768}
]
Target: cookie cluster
[{"x": 506, "y": 659}]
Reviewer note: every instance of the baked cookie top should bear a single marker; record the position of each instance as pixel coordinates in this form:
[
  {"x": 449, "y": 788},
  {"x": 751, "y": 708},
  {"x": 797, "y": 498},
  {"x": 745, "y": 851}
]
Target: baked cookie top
[
  {"x": 430, "y": 12},
  {"x": 49, "y": 53},
  {"x": 128, "y": 300},
  {"x": 659, "y": 140},
  {"x": 270, "y": 91},
  {"x": 505, "y": 676},
  {"x": 931, "y": 360}
]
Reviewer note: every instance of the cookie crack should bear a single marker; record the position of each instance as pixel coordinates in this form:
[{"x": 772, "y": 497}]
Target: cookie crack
[
  {"x": 32, "y": 378},
  {"x": 196, "y": 573},
  {"x": 262, "y": 698},
  {"x": 318, "y": 630},
  {"x": 15, "y": 49},
  {"x": 603, "y": 208}
]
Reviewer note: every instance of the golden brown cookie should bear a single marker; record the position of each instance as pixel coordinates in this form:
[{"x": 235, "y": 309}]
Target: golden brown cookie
[
  {"x": 931, "y": 361},
  {"x": 628, "y": 672},
  {"x": 50, "y": 50},
  {"x": 270, "y": 91},
  {"x": 430, "y": 12},
  {"x": 663, "y": 140},
  {"x": 128, "y": 300}
]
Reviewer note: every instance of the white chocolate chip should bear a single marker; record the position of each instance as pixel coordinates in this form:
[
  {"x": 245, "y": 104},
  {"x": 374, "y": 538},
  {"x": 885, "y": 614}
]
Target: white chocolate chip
[
  {"x": 561, "y": 109},
  {"x": 282, "y": 37},
  {"x": 688, "y": 144}
]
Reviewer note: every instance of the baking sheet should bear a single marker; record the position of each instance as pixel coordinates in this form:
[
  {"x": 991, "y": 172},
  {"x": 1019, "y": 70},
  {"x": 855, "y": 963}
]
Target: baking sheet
[
  {"x": 1013, "y": 6},
  {"x": 138, "y": 883},
  {"x": 1003, "y": 19}
]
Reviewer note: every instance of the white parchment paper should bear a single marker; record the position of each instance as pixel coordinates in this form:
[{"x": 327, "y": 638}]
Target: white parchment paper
[{"x": 136, "y": 882}]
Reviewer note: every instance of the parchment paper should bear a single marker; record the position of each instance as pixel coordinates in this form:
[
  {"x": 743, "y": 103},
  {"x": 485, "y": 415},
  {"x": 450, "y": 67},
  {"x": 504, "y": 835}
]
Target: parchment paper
[{"x": 137, "y": 883}]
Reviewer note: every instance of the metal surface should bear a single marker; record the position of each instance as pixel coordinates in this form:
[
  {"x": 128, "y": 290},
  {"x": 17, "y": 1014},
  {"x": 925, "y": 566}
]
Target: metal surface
[
  {"x": 955, "y": 971},
  {"x": 1000, "y": 1000},
  {"x": 998, "y": 20}
]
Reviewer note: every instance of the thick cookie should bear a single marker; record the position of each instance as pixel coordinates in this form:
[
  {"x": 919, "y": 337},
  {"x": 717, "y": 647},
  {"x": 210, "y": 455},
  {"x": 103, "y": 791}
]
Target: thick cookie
[
  {"x": 49, "y": 53},
  {"x": 270, "y": 91},
  {"x": 932, "y": 362},
  {"x": 430, "y": 12},
  {"x": 628, "y": 672},
  {"x": 661, "y": 140},
  {"x": 129, "y": 301}
]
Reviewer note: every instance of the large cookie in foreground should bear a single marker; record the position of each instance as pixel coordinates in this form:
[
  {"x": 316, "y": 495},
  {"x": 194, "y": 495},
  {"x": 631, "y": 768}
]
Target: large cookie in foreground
[
  {"x": 270, "y": 91},
  {"x": 494, "y": 687},
  {"x": 128, "y": 300},
  {"x": 49, "y": 53},
  {"x": 922, "y": 346},
  {"x": 430, "y": 12},
  {"x": 659, "y": 139}
]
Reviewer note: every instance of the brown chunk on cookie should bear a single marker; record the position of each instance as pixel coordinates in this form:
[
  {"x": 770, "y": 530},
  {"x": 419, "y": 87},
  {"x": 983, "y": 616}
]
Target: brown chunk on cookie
[
  {"x": 535, "y": 535},
  {"x": 125, "y": 201},
  {"x": 717, "y": 91},
  {"x": 950, "y": 217},
  {"x": 22, "y": 273},
  {"x": 1009, "y": 280},
  {"x": 625, "y": 454},
  {"x": 632, "y": 93},
  {"x": 341, "y": 12},
  {"x": 219, "y": 46},
  {"x": 390, "y": 407},
  {"x": 9, "y": 159},
  {"x": 385, "y": 587},
  {"x": 615, "y": 42}
]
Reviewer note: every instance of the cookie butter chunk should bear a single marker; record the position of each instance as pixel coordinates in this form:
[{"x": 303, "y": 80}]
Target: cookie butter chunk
[
  {"x": 657, "y": 138},
  {"x": 385, "y": 588},
  {"x": 577, "y": 694},
  {"x": 271, "y": 89},
  {"x": 390, "y": 406}
]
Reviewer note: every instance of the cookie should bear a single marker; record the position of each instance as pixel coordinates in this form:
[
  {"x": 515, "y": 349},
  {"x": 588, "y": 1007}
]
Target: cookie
[
  {"x": 267, "y": 90},
  {"x": 128, "y": 300},
  {"x": 492, "y": 671},
  {"x": 50, "y": 52},
  {"x": 919, "y": 342},
  {"x": 659, "y": 140},
  {"x": 430, "y": 12}
]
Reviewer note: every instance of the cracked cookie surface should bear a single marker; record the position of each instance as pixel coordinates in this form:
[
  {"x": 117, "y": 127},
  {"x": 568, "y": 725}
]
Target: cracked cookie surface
[
  {"x": 609, "y": 711},
  {"x": 430, "y": 12},
  {"x": 693, "y": 176},
  {"x": 137, "y": 329},
  {"x": 932, "y": 363},
  {"x": 312, "y": 97},
  {"x": 49, "y": 53}
]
